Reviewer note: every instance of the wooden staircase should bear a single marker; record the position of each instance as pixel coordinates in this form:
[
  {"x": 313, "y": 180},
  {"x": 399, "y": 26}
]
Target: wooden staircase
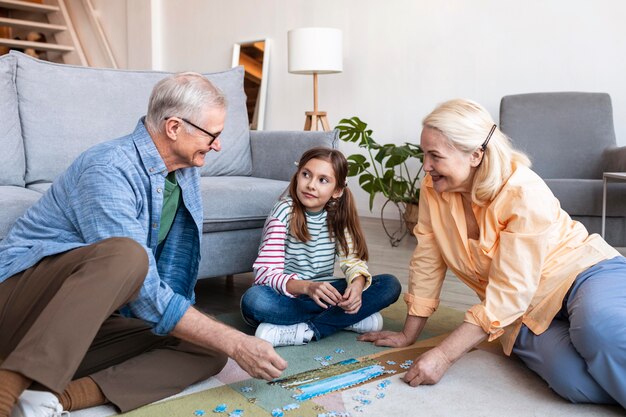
[{"x": 40, "y": 28}]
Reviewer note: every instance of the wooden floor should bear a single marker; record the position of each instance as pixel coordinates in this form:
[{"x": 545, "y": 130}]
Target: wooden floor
[{"x": 219, "y": 295}]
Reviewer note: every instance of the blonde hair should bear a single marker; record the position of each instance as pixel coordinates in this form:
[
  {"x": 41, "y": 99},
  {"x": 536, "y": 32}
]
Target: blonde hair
[{"x": 466, "y": 124}]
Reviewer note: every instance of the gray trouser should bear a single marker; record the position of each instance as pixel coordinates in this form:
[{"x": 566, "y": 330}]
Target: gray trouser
[
  {"x": 582, "y": 355},
  {"x": 58, "y": 323}
]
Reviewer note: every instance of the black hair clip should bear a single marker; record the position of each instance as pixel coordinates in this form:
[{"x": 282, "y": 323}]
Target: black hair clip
[{"x": 484, "y": 145}]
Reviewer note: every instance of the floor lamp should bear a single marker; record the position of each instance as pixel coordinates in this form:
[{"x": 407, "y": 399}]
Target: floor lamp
[{"x": 315, "y": 51}]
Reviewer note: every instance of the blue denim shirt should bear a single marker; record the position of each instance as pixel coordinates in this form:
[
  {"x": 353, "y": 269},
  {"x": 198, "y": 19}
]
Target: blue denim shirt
[{"x": 116, "y": 189}]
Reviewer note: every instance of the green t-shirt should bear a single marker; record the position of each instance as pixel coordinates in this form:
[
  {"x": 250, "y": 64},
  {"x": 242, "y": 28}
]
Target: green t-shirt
[{"x": 171, "y": 201}]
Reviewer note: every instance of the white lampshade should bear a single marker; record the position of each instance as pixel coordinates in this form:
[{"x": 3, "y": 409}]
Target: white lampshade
[{"x": 315, "y": 50}]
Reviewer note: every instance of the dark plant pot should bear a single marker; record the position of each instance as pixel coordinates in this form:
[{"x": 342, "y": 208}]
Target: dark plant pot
[{"x": 410, "y": 217}]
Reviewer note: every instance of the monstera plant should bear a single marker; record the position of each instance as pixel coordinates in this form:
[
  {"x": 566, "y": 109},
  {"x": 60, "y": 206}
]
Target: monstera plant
[{"x": 385, "y": 169}]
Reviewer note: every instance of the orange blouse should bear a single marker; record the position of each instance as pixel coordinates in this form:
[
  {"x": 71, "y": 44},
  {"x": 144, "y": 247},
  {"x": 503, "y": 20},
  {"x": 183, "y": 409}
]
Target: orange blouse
[{"x": 526, "y": 258}]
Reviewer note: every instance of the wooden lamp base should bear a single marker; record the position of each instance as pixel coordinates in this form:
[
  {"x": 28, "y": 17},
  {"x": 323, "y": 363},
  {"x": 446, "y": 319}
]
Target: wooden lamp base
[{"x": 313, "y": 118}]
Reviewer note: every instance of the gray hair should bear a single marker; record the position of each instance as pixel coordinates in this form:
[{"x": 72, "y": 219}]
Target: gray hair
[
  {"x": 186, "y": 95},
  {"x": 466, "y": 124}
]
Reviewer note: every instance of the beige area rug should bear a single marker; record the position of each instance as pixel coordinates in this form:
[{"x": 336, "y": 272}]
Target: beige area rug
[
  {"x": 480, "y": 384},
  {"x": 483, "y": 383}
]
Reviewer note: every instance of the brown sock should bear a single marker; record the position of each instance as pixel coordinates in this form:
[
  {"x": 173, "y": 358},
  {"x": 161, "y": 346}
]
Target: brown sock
[
  {"x": 82, "y": 393},
  {"x": 12, "y": 384}
]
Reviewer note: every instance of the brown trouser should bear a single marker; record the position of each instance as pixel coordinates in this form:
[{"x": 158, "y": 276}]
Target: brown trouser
[{"x": 58, "y": 323}]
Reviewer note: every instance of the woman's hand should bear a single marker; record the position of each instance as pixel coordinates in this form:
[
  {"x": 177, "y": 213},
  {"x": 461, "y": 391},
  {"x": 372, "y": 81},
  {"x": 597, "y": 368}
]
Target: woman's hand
[
  {"x": 428, "y": 368},
  {"x": 351, "y": 300},
  {"x": 387, "y": 338},
  {"x": 413, "y": 326}
]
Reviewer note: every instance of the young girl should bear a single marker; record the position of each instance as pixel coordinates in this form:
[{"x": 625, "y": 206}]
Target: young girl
[{"x": 296, "y": 297}]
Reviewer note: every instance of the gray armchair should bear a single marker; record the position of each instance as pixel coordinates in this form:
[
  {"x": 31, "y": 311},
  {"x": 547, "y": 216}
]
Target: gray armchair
[{"x": 570, "y": 139}]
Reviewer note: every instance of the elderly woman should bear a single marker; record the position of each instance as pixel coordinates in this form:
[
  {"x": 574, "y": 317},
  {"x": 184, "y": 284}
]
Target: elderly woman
[{"x": 551, "y": 292}]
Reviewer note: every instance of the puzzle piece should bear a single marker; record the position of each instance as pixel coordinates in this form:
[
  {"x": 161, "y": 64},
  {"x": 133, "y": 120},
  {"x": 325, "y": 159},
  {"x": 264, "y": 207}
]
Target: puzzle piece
[{"x": 220, "y": 408}]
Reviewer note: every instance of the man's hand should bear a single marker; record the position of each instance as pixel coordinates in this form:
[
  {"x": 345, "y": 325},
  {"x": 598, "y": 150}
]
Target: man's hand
[
  {"x": 255, "y": 356},
  {"x": 258, "y": 358},
  {"x": 428, "y": 368}
]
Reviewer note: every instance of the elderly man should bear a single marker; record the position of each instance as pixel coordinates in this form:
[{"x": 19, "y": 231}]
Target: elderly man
[{"x": 97, "y": 278}]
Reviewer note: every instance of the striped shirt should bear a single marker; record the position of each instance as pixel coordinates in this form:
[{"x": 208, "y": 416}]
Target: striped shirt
[{"x": 283, "y": 257}]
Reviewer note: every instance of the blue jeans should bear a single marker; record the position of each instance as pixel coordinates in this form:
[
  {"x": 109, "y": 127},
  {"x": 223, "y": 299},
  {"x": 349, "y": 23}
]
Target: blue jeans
[
  {"x": 262, "y": 304},
  {"x": 582, "y": 355}
]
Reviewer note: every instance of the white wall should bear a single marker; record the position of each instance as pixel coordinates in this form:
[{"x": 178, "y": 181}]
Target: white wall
[{"x": 402, "y": 57}]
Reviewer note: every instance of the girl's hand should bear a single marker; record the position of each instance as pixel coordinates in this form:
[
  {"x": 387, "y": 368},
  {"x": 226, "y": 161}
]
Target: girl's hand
[
  {"x": 387, "y": 338},
  {"x": 428, "y": 368},
  {"x": 323, "y": 292},
  {"x": 351, "y": 300}
]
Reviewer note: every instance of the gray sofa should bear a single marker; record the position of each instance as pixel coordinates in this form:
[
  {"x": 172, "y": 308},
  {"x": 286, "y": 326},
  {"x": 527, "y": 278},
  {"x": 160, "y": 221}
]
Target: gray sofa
[
  {"x": 50, "y": 113},
  {"x": 570, "y": 139}
]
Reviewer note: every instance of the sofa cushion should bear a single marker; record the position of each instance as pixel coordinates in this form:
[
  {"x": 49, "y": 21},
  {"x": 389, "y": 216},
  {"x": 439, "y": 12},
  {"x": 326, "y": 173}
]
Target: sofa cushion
[
  {"x": 66, "y": 109},
  {"x": 13, "y": 203},
  {"x": 233, "y": 203},
  {"x": 12, "y": 165},
  {"x": 40, "y": 187},
  {"x": 580, "y": 197},
  {"x": 226, "y": 201}
]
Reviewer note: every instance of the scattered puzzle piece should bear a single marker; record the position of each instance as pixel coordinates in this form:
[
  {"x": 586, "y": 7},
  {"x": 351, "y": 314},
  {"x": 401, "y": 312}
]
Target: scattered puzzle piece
[
  {"x": 220, "y": 408},
  {"x": 383, "y": 385},
  {"x": 277, "y": 412},
  {"x": 198, "y": 413}
]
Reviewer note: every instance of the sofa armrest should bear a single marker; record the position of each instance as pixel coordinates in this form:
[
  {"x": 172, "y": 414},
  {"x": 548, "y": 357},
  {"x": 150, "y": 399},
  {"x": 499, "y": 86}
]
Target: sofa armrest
[
  {"x": 274, "y": 153},
  {"x": 615, "y": 159}
]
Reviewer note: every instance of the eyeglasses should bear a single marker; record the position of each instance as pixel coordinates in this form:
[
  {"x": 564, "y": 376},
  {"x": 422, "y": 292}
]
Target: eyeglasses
[{"x": 213, "y": 136}]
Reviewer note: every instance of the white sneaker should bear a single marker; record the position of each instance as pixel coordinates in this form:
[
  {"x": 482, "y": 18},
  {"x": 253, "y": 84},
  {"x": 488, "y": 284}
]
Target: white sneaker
[
  {"x": 38, "y": 404},
  {"x": 277, "y": 335},
  {"x": 373, "y": 323}
]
